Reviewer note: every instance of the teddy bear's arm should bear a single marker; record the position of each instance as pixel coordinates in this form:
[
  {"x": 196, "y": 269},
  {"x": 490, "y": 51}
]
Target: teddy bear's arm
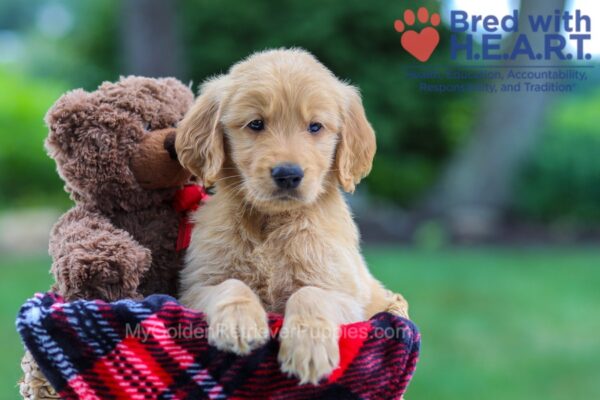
[{"x": 92, "y": 259}]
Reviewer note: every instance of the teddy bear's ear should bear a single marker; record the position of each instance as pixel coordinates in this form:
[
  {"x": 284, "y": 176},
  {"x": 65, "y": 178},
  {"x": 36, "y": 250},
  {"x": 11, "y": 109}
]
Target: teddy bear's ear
[
  {"x": 178, "y": 92},
  {"x": 68, "y": 115}
]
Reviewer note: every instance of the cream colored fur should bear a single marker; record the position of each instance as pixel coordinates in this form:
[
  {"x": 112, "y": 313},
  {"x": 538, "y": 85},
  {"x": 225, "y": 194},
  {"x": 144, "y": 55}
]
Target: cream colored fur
[{"x": 252, "y": 250}]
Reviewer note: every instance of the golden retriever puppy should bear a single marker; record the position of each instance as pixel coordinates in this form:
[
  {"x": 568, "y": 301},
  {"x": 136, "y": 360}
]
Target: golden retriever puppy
[{"x": 278, "y": 136}]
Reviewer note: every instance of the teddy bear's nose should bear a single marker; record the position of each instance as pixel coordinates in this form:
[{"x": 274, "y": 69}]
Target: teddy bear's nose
[{"x": 169, "y": 145}]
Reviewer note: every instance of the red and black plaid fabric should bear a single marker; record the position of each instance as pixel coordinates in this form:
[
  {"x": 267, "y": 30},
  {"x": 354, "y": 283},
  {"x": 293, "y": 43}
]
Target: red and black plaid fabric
[{"x": 157, "y": 349}]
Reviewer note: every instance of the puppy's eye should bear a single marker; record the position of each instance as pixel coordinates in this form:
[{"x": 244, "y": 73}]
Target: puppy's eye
[
  {"x": 257, "y": 125},
  {"x": 314, "y": 127}
]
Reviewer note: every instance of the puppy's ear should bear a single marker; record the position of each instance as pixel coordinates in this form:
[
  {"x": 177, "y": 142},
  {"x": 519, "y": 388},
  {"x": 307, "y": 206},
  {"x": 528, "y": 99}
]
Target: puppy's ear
[
  {"x": 199, "y": 142},
  {"x": 356, "y": 146}
]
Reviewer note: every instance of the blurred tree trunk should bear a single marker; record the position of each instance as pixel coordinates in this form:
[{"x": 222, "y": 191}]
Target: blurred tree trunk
[
  {"x": 150, "y": 39},
  {"x": 476, "y": 186}
]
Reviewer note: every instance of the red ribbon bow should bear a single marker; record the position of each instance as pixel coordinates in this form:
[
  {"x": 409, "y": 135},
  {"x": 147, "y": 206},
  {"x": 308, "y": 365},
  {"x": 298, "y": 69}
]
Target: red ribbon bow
[{"x": 187, "y": 199}]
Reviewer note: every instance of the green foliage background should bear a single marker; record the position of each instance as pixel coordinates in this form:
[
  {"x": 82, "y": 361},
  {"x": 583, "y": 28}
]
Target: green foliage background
[
  {"x": 416, "y": 132},
  {"x": 561, "y": 182},
  {"x": 27, "y": 176}
]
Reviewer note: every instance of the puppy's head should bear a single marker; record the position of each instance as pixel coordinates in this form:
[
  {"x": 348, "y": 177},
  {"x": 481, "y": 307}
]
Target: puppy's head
[{"x": 280, "y": 129}]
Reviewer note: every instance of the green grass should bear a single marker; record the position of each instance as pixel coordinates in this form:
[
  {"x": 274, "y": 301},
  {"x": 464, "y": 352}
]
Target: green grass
[
  {"x": 496, "y": 323},
  {"x": 19, "y": 280},
  {"x": 501, "y": 324}
]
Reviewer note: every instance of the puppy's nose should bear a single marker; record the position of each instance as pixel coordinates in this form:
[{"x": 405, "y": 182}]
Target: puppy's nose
[{"x": 287, "y": 176}]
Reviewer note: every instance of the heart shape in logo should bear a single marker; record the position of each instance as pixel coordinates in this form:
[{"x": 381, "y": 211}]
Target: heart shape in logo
[{"x": 420, "y": 44}]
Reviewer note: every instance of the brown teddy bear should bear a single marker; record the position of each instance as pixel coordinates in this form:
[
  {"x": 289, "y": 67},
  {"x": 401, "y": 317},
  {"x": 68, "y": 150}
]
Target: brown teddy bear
[{"x": 114, "y": 148}]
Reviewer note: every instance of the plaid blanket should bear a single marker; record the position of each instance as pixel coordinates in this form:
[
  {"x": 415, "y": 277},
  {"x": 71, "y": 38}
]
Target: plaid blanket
[{"x": 157, "y": 349}]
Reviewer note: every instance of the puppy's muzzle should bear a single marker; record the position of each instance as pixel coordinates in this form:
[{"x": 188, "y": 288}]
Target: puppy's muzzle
[{"x": 287, "y": 176}]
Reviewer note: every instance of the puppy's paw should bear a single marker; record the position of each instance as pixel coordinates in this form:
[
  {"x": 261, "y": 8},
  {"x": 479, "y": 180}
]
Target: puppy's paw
[
  {"x": 238, "y": 328},
  {"x": 309, "y": 350}
]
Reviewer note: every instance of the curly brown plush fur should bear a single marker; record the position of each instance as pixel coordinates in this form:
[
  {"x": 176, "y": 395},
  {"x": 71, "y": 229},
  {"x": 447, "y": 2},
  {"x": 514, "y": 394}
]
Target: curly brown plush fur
[
  {"x": 119, "y": 239},
  {"x": 114, "y": 148}
]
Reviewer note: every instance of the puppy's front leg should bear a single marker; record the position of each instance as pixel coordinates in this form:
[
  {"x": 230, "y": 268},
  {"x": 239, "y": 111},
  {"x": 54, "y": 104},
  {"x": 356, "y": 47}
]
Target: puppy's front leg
[
  {"x": 237, "y": 320},
  {"x": 309, "y": 336},
  {"x": 383, "y": 299}
]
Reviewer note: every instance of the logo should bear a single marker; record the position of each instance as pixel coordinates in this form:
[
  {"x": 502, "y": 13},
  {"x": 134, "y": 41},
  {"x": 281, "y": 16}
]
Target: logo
[
  {"x": 558, "y": 36},
  {"x": 419, "y": 44}
]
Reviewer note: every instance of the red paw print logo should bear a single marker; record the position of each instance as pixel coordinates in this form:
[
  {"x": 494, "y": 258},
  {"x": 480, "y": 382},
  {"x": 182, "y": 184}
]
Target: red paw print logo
[{"x": 420, "y": 44}]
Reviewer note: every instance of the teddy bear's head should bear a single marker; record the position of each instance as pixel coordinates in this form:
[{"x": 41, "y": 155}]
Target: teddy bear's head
[{"x": 114, "y": 147}]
